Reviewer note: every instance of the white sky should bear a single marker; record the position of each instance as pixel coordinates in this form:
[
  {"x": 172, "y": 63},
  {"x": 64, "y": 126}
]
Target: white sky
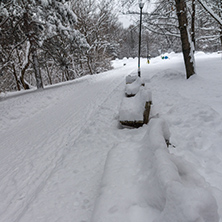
[{"x": 128, "y": 20}]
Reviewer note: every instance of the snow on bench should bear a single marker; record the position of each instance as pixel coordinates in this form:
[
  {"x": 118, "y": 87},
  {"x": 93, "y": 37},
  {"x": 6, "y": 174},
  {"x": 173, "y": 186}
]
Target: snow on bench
[
  {"x": 176, "y": 188},
  {"x": 133, "y": 88},
  {"x": 122, "y": 191},
  {"x": 131, "y": 78},
  {"x": 135, "y": 110},
  {"x": 142, "y": 181}
]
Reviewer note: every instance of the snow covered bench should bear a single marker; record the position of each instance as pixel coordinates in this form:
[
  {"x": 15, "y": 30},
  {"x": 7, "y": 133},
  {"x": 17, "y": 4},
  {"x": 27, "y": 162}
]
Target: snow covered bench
[
  {"x": 125, "y": 179},
  {"x": 131, "y": 78},
  {"x": 133, "y": 84},
  {"x": 143, "y": 181},
  {"x": 135, "y": 111}
]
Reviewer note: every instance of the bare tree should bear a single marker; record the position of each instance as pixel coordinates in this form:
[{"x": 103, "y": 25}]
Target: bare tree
[
  {"x": 101, "y": 28},
  {"x": 214, "y": 9}
]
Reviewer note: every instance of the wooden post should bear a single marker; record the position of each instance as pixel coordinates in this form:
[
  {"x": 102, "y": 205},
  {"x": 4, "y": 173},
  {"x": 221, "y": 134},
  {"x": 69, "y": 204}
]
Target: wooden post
[{"x": 146, "y": 113}]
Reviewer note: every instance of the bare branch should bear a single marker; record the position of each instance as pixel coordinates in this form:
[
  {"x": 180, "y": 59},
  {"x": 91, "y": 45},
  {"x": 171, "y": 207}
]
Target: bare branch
[{"x": 211, "y": 12}]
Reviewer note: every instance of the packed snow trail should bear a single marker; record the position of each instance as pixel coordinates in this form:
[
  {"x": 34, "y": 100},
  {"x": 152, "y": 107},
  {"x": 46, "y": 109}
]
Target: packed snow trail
[{"x": 44, "y": 169}]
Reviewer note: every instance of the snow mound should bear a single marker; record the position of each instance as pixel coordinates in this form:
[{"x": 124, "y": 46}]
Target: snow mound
[
  {"x": 143, "y": 181},
  {"x": 121, "y": 197},
  {"x": 133, "y": 88},
  {"x": 119, "y": 185},
  {"x": 132, "y": 108},
  {"x": 131, "y": 78},
  {"x": 179, "y": 193}
]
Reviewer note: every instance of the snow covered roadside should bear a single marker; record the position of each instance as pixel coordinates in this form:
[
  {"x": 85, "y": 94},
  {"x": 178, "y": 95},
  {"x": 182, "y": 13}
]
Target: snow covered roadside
[
  {"x": 193, "y": 110},
  {"x": 144, "y": 180}
]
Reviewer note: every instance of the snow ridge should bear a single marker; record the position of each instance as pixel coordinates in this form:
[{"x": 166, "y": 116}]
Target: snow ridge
[{"x": 179, "y": 193}]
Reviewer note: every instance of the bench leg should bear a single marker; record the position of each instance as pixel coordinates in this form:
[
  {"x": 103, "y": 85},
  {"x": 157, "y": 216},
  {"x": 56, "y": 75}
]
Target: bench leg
[{"x": 146, "y": 113}]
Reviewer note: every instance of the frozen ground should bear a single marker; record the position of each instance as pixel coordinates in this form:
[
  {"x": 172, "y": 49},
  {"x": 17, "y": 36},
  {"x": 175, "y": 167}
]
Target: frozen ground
[{"x": 63, "y": 156}]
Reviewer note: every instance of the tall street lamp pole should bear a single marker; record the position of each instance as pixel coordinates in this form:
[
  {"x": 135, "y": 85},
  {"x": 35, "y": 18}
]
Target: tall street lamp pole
[{"x": 141, "y": 4}]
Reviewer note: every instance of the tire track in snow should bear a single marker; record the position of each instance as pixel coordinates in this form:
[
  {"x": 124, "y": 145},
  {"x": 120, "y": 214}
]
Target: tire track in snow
[
  {"x": 40, "y": 182},
  {"x": 61, "y": 165}
]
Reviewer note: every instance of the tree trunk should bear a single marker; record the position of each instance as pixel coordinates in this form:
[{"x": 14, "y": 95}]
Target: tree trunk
[
  {"x": 89, "y": 65},
  {"x": 220, "y": 14},
  {"x": 21, "y": 78},
  {"x": 193, "y": 22},
  {"x": 48, "y": 73},
  {"x": 33, "y": 50},
  {"x": 185, "y": 38},
  {"x": 36, "y": 67},
  {"x": 16, "y": 78},
  {"x": 221, "y": 37}
]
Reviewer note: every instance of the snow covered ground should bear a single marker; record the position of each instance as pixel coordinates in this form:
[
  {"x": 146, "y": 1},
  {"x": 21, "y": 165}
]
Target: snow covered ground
[{"x": 64, "y": 157}]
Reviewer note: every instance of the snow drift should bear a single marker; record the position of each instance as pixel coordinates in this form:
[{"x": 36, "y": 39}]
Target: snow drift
[
  {"x": 133, "y": 86},
  {"x": 132, "y": 108},
  {"x": 178, "y": 193}
]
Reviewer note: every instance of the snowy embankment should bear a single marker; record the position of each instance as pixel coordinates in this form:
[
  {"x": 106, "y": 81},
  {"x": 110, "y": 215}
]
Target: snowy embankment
[
  {"x": 64, "y": 158},
  {"x": 143, "y": 179}
]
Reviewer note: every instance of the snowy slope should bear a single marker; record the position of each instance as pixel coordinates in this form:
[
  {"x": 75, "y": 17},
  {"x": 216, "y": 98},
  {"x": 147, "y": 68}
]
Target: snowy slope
[{"x": 63, "y": 156}]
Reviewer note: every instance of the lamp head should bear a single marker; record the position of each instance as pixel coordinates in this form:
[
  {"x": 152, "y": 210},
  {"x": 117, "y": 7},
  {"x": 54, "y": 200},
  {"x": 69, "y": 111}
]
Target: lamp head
[{"x": 141, "y": 4}]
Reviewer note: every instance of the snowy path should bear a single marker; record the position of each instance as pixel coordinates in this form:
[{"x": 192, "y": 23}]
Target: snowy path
[
  {"x": 45, "y": 149},
  {"x": 64, "y": 158}
]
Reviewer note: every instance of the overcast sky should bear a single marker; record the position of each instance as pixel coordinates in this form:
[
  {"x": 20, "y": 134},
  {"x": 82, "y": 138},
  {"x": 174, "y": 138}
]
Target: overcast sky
[{"x": 128, "y": 20}]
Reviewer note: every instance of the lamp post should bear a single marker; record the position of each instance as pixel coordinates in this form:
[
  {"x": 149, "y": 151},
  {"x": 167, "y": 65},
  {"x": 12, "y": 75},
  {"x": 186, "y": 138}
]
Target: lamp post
[{"x": 141, "y": 4}]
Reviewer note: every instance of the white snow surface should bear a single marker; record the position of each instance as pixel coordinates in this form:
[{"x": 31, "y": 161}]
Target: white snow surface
[
  {"x": 64, "y": 157},
  {"x": 133, "y": 88},
  {"x": 132, "y": 108}
]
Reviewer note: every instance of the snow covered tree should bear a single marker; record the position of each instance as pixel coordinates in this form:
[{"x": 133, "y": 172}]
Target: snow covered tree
[
  {"x": 100, "y": 26},
  {"x": 214, "y": 9},
  {"x": 26, "y": 26},
  {"x": 129, "y": 44},
  {"x": 163, "y": 24},
  {"x": 164, "y": 20},
  {"x": 187, "y": 45}
]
